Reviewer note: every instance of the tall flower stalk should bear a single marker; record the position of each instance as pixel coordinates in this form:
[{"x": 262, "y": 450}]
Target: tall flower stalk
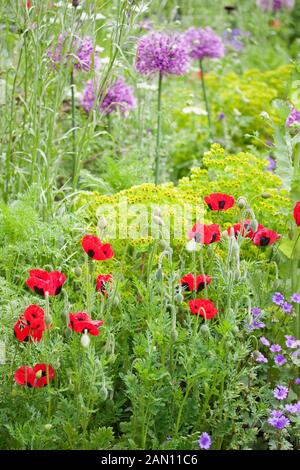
[
  {"x": 201, "y": 66},
  {"x": 162, "y": 54},
  {"x": 73, "y": 129}
]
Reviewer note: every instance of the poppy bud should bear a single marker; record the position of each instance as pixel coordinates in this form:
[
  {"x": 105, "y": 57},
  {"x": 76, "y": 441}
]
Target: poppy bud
[
  {"x": 103, "y": 392},
  {"x": 174, "y": 334},
  {"x": 116, "y": 301},
  {"x": 237, "y": 274},
  {"x": 179, "y": 298},
  {"x": 64, "y": 316},
  {"x": 163, "y": 244},
  {"x": 264, "y": 115},
  {"x": 14, "y": 392},
  {"x": 157, "y": 220},
  {"x": 48, "y": 320},
  {"x": 266, "y": 195},
  {"x": 204, "y": 329},
  {"x": 225, "y": 234},
  {"x": 67, "y": 332},
  {"x": 235, "y": 330},
  {"x": 242, "y": 202},
  {"x": 102, "y": 223},
  {"x": 77, "y": 271},
  {"x": 159, "y": 275},
  {"x": 254, "y": 225},
  {"x": 47, "y": 427},
  {"x": 85, "y": 340},
  {"x": 157, "y": 211}
]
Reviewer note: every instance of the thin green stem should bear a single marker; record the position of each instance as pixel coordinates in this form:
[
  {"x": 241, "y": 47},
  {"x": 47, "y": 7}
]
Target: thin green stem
[
  {"x": 158, "y": 133},
  {"x": 210, "y": 128},
  {"x": 75, "y": 159}
]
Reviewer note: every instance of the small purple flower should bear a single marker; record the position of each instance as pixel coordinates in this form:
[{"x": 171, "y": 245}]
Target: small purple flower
[
  {"x": 259, "y": 357},
  {"x": 257, "y": 325},
  {"x": 286, "y": 307},
  {"x": 293, "y": 117},
  {"x": 293, "y": 408},
  {"x": 272, "y": 164},
  {"x": 256, "y": 312},
  {"x": 281, "y": 392},
  {"x": 297, "y": 381},
  {"x": 221, "y": 116},
  {"x": 264, "y": 341},
  {"x": 290, "y": 342},
  {"x": 295, "y": 298},
  {"x": 162, "y": 53},
  {"x": 204, "y": 441},
  {"x": 278, "y": 298},
  {"x": 278, "y": 420},
  {"x": 275, "y": 348},
  {"x": 204, "y": 43},
  {"x": 280, "y": 359},
  {"x": 88, "y": 96}
]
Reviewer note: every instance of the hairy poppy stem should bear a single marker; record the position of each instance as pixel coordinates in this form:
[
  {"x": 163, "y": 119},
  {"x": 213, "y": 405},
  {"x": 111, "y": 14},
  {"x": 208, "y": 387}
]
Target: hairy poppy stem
[
  {"x": 158, "y": 133},
  {"x": 205, "y": 98},
  {"x": 75, "y": 162}
]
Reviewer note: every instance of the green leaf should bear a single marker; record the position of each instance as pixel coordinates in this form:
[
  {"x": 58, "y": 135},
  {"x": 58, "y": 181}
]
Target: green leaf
[{"x": 291, "y": 248}]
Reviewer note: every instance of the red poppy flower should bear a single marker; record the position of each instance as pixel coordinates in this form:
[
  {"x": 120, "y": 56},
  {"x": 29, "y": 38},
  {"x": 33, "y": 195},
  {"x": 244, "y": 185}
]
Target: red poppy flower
[
  {"x": 297, "y": 213},
  {"x": 82, "y": 323},
  {"x": 102, "y": 281},
  {"x": 204, "y": 308},
  {"x": 41, "y": 281},
  {"x": 94, "y": 248},
  {"x": 244, "y": 229},
  {"x": 24, "y": 376},
  {"x": 265, "y": 237},
  {"x": 30, "y": 325},
  {"x": 219, "y": 202},
  {"x": 206, "y": 234},
  {"x": 189, "y": 284},
  {"x": 38, "y": 376}
]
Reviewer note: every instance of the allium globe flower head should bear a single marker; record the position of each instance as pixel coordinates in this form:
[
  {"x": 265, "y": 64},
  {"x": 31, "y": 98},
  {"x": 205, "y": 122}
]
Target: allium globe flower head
[
  {"x": 275, "y": 5},
  {"x": 76, "y": 51},
  {"x": 204, "y": 43},
  {"x": 162, "y": 53},
  {"x": 118, "y": 96}
]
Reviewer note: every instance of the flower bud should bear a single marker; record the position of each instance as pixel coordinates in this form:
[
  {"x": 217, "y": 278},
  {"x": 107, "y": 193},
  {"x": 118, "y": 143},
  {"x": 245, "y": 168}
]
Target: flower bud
[
  {"x": 103, "y": 392},
  {"x": 48, "y": 321},
  {"x": 264, "y": 115},
  {"x": 48, "y": 426},
  {"x": 157, "y": 212},
  {"x": 204, "y": 329},
  {"x": 179, "y": 298},
  {"x": 242, "y": 202},
  {"x": 163, "y": 244},
  {"x": 77, "y": 271},
  {"x": 266, "y": 195},
  {"x": 67, "y": 332},
  {"x": 254, "y": 225},
  {"x": 225, "y": 234},
  {"x": 159, "y": 275},
  {"x": 64, "y": 316},
  {"x": 102, "y": 223},
  {"x": 157, "y": 220},
  {"x": 116, "y": 301},
  {"x": 85, "y": 340}
]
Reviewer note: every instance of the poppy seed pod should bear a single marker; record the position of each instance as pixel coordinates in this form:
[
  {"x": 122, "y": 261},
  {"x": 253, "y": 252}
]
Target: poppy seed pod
[{"x": 85, "y": 340}]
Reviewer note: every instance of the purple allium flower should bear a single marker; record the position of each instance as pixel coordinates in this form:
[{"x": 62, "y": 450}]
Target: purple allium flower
[
  {"x": 295, "y": 298},
  {"x": 278, "y": 298},
  {"x": 204, "y": 441},
  {"x": 286, "y": 307},
  {"x": 297, "y": 381},
  {"x": 278, "y": 420},
  {"x": 281, "y": 392},
  {"x": 118, "y": 96},
  {"x": 88, "y": 96},
  {"x": 293, "y": 408},
  {"x": 162, "y": 53},
  {"x": 80, "y": 50},
  {"x": 269, "y": 5},
  {"x": 280, "y": 359},
  {"x": 256, "y": 311},
  {"x": 272, "y": 164},
  {"x": 293, "y": 117},
  {"x": 203, "y": 42},
  {"x": 290, "y": 342},
  {"x": 259, "y": 357},
  {"x": 275, "y": 348},
  {"x": 264, "y": 341}
]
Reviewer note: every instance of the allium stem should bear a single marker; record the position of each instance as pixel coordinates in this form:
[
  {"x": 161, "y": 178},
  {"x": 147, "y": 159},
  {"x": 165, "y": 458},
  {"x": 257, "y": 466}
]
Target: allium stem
[
  {"x": 158, "y": 133},
  {"x": 75, "y": 163},
  {"x": 205, "y": 98}
]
